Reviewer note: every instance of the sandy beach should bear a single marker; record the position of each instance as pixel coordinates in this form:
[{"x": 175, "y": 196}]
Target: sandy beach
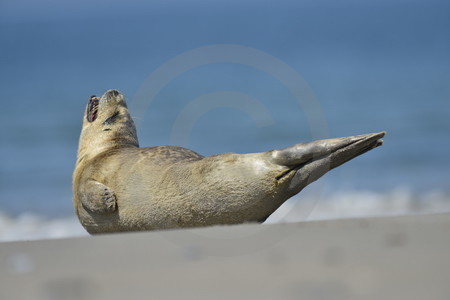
[{"x": 375, "y": 258}]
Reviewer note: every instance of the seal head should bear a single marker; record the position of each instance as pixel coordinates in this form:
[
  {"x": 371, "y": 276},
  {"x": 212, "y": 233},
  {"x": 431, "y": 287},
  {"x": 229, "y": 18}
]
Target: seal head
[{"x": 106, "y": 124}]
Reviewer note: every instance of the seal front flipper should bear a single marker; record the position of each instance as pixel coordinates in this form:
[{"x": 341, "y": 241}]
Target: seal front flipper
[{"x": 97, "y": 197}]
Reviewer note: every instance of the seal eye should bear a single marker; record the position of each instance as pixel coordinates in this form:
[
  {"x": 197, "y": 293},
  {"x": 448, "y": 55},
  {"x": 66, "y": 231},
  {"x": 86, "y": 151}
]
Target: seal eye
[{"x": 92, "y": 109}]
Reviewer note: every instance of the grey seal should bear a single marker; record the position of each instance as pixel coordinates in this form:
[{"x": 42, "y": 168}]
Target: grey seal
[{"x": 118, "y": 186}]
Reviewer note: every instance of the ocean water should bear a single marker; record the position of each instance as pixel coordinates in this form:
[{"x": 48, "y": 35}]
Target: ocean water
[{"x": 229, "y": 76}]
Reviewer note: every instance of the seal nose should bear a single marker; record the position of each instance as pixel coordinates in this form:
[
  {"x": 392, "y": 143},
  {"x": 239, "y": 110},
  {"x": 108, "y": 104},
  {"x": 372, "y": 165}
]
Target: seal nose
[{"x": 113, "y": 95}]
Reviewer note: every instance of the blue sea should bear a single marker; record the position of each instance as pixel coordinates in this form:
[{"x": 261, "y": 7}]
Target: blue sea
[{"x": 229, "y": 76}]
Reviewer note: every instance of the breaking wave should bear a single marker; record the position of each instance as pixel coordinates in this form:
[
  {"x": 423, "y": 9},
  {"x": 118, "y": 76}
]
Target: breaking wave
[
  {"x": 28, "y": 226},
  {"x": 355, "y": 204},
  {"x": 307, "y": 206}
]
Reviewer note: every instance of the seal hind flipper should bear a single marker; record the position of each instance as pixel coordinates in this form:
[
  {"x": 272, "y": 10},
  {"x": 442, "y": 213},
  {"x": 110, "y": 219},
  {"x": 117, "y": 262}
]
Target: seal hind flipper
[
  {"x": 97, "y": 197},
  {"x": 307, "y": 162},
  {"x": 301, "y": 153}
]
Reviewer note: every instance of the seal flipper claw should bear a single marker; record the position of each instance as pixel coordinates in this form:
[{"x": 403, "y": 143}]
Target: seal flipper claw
[{"x": 98, "y": 198}]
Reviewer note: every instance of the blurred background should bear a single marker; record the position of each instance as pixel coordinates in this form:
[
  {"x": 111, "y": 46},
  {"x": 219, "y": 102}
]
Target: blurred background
[{"x": 362, "y": 67}]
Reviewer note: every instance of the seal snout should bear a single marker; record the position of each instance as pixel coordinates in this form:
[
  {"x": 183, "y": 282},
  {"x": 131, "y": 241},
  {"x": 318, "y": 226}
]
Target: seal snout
[
  {"x": 111, "y": 95},
  {"x": 106, "y": 105}
]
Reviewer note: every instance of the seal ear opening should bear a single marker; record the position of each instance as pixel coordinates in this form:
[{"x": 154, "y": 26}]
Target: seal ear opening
[{"x": 92, "y": 109}]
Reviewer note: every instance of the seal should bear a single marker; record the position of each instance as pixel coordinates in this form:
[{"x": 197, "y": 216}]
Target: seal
[{"x": 118, "y": 186}]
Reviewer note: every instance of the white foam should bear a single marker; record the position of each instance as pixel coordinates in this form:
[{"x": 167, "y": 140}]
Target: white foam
[
  {"x": 29, "y": 226},
  {"x": 306, "y": 206},
  {"x": 353, "y": 204}
]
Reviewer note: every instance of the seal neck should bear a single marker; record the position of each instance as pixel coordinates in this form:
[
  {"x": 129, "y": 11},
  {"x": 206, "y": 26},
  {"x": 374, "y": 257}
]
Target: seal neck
[{"x": 97, "y": 138}]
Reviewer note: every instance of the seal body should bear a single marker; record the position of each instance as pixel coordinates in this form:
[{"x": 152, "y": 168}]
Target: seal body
[{"x": 118, "y": 186}]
